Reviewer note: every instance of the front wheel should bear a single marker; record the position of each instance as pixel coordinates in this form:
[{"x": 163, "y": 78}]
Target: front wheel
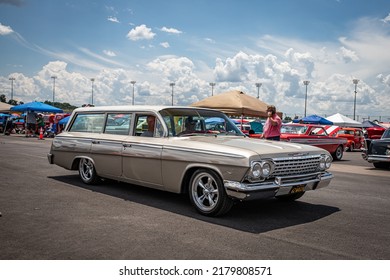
[
  {"x": 338, "y": 154},
  {"x": 87, "y": 171},
  {"x": 207, "y": 193}
]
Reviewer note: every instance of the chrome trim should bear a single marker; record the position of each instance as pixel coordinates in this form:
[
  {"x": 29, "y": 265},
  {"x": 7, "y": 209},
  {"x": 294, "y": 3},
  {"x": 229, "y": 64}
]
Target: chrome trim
[
  {"x": 277, "y": 187},
  {"x": 377, "y": 158},
  {"x": 203, "y": 152}
]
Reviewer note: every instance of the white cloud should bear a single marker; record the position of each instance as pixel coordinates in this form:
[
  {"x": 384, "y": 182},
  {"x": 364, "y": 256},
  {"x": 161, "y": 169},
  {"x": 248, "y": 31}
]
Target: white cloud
[
  {"x": 113, "y": 19},
  {"x": 109, "y": 53},
  {"x": 165, "y": 45},
  {"x": 348, "y": 55},
  {"x": 5, "y": 30},
  {"x": 171, "y": 30},
  {"x": 386, "y": 19},
  {"x": 141, "y": 32}
]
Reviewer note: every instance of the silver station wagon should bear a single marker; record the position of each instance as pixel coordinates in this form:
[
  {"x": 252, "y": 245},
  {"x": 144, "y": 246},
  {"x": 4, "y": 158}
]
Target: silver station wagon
[{"x": 189, "y": 150}]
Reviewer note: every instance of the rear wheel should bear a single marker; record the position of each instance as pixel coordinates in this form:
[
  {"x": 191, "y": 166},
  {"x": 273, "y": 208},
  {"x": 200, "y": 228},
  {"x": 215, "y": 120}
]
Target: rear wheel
[
  {"x": 87, "y": 171},
  {"x": 208, "y": 194},
  {"x": 338, "y": 154}
]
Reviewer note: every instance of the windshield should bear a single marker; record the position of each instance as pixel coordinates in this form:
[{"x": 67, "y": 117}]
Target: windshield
[
  {"x": 185, "y": 122},
  {"x": 293, "y": 129},
  {"x": 386, "y": 134}
]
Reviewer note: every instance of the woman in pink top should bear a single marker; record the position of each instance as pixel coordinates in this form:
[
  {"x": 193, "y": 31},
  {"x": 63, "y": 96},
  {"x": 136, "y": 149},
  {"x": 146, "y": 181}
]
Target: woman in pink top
[{"x": 272, "y": 125}]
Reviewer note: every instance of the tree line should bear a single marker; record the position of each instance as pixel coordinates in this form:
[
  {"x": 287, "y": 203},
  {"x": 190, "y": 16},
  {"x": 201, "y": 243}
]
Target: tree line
[{"x": 64, "y": 106}]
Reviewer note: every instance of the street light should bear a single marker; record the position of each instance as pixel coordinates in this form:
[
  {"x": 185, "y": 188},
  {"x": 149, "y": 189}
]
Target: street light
[
  {"x": 306, "y": 83},
  {"x": 54, "y": 86},
  {"x": 132, "y": 100},
  {"x": 172, "y": 85},
  {"x": 12, "y": 79},
  {"x": 92, "y": 80},
  {"x": 355, "y": 81},
  {"x": 212, "y": 88},
  {"x": 258, "y": 85}
]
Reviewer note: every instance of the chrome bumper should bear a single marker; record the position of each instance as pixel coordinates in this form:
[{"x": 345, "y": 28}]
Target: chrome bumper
[
  {"x": 378, "y": 158},
  {"x": 280, "y": 186},
  {"x": 50, "y": 158}
]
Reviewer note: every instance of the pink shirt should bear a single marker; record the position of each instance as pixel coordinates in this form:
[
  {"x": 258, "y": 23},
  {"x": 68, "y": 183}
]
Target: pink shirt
[{"x": 272, "y": 130}]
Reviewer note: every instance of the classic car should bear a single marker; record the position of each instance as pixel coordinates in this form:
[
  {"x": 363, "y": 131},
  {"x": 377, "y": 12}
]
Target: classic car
[
  {"x": 315, "y": 135},
  {"x": 354, "y": 136},
  {"x": 378, "y": 152},
  {"x": 216, "y": 165}
]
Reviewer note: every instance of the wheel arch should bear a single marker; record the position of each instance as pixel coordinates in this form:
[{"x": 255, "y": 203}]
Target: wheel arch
[{"x": 190, "y": 171}]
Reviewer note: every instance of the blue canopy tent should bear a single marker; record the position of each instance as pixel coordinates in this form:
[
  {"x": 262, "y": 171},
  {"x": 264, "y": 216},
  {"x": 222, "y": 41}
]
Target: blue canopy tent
[
  {"x": 313, "y": 119},
  {"x": 368, "y": 123},
  {"x": 36, "y": 107}
]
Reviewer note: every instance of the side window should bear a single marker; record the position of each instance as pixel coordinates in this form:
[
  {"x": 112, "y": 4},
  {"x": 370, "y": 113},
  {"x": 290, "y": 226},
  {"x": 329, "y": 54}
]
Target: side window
[
  {"x": 148, "y": 126},
  {"x": 118, "y": 124},
  {"x": 92, "y": 123}
]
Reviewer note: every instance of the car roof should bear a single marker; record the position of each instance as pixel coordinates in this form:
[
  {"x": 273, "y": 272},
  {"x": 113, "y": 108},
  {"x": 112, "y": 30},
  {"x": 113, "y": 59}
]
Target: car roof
[{"x": 137, "y": 108}]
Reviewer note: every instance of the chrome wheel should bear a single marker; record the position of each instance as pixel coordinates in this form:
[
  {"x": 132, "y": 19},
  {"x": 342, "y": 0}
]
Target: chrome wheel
[
  {"x": 207, "y": 193},
  {"x": 338, "y": 154},
  {"x": 87, "y": 171}
]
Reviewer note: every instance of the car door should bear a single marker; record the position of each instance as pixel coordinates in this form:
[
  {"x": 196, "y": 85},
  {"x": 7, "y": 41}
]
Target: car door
[
  {"x": 106, "y": 147},
  {"x": 141, "y": 155}
]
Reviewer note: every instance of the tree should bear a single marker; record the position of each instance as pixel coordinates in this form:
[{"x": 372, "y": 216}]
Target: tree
[{"x": 2, "y": 98}]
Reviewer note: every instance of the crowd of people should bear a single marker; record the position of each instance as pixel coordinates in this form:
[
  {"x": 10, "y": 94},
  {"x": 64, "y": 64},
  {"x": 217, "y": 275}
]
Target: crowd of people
[{"x": 31, "y": 124}]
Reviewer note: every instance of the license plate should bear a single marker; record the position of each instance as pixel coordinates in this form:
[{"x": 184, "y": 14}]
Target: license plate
[{"x": 298, "y": 189}]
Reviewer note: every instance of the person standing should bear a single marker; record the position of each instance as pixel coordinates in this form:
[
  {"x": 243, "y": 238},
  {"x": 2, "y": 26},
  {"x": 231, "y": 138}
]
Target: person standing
[
  {"x": 40, "y": 123},
  {"x": 272, "y": 125},
  {"x": 31, "y": 123}
]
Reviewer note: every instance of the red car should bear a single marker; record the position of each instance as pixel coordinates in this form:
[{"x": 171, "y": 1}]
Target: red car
[
  {"x": 354, "y": 136},
  {"x": 315, "y": 135}
]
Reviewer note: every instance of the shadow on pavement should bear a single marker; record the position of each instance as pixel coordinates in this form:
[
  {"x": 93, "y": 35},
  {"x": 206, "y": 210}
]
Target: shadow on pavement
[{"x": 251, "y": 216}]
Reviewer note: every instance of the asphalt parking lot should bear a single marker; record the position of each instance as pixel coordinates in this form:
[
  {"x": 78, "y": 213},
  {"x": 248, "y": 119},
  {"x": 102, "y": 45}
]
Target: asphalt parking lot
[{"x": 47, "y": 213}]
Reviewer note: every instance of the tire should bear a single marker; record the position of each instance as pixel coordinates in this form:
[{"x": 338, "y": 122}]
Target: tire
[
  {"x": 87, "y": 172},
  {"x": 338, "y": 154},
  {"x": 290, "y": 197},
  {"x": 207, "y": 193},
  {"x": 382, "y": 165}
]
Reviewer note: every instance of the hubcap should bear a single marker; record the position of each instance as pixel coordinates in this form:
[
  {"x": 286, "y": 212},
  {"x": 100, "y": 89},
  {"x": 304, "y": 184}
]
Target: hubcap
[{"x": 205, "y": 192}]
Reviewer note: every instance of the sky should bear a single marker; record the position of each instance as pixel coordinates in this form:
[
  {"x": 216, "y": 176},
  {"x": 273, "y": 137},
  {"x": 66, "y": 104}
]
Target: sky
[{"x": 192, "y": 43}]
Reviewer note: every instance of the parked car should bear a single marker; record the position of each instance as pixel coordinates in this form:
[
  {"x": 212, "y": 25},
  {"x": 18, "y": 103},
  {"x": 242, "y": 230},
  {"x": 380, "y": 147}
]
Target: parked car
[
  {"x": 354, "y": 136},
  {"x": 378, "y": 152},
  {"x": 215, "y": 167},
  {"x": 315, "y": 135}
]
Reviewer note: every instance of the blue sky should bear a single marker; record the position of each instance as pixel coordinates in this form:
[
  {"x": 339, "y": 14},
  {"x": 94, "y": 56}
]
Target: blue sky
[{"x": 233, "y": 43}]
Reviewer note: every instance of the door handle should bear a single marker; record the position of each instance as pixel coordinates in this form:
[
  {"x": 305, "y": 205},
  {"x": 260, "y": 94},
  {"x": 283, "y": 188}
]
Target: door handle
[
  {"x": 127, "y": 145},
  {"x": 95, "y": 142}
]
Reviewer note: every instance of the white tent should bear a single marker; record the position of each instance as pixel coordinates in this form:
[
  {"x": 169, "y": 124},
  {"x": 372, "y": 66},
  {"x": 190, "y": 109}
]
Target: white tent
[
  {"x": 4, "y": 107},
  {"x": 341, "y": 120}
]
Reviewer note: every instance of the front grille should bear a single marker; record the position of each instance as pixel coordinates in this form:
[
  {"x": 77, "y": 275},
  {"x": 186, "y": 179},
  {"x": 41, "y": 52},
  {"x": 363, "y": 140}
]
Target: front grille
[{"x": 293, "y": 166}]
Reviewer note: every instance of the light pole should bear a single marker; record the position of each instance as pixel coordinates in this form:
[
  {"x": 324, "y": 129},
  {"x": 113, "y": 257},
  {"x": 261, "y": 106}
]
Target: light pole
[
  {"x": 92, "y": 80},
  {"x": 54, "y": 86},
  {"x": 172, "y": 85},
  {"x": 132, "y": 100},
  {"x": 355, "y": 81},
  {"x": 12, "y": 79},
  {"x": 212, "y": 88},
  {"x": 306, "y": 83},
  {"x": 258, "y": 85}
]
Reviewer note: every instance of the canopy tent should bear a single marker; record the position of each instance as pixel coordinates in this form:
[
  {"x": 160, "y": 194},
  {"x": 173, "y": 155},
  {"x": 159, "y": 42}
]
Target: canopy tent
[
  {"x": 314, "y": 119},
  {"x": 234, "y": 103},
  {"x": 36, "y": 107},
  {"x": 367, "y": 124},
  {"x": 341, "y": 120},
  {"x": 4, "y": 107}
]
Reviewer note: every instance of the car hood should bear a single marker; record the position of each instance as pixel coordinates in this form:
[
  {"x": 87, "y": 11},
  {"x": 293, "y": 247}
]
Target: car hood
[{"x": 247, "y": 146}]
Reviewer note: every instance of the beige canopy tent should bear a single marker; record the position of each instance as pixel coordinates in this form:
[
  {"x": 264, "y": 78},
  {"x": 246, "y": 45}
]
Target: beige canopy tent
[
  {"x": 4, "y": 107},
  {"x": 235, "y": 103}
]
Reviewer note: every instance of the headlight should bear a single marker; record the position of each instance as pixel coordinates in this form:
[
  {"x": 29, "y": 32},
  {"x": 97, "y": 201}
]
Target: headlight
[
  {"x": 260, "y": 170},
  {"x": 325, "y": 162}
]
